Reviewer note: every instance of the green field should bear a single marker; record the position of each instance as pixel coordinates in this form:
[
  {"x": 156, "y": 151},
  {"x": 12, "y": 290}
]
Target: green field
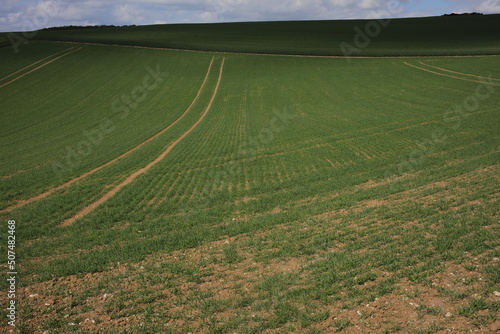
[
  {"x": 419, "y": 36},
  {"x": 163, "y": 191}
]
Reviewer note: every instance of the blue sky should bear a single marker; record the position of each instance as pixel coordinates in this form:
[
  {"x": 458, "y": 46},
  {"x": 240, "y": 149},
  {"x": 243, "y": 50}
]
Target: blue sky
[{"x": 26, "y": 15}]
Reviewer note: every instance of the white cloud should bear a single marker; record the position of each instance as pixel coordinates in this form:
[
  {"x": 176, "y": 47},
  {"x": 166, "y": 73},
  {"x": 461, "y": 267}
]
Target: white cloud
[
  {"x": 341, "y": 3},
  {"x": 208, "y": 16},
  {"x": 369, "y": 4},
  {"x": 489, "y": 6},
  {"x": 482, "y": 6},
  {"x": 124, "y": 13}
]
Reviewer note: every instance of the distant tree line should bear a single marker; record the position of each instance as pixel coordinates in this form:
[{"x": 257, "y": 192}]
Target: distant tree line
[
  {"x": 456, "y": 14},
  {"x": 70, "y": 27}
]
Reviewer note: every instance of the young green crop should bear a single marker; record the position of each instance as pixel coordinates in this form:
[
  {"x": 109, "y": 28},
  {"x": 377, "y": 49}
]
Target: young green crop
[
  {"x": 411, "y": 37},
  {"x": 367, "y": 174}
]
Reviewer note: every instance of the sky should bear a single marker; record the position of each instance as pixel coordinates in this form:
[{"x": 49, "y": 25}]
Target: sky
[{"x": 29, "y": 15}]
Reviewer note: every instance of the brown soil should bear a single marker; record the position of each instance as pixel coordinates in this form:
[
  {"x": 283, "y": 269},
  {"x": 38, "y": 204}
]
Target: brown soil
[
  {"x": 433, "y": 307},
  {"x": 411, "y": 307}
]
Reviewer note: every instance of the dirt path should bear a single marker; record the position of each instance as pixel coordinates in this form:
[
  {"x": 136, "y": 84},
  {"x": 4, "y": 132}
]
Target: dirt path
[
  {"x": 267, "y": 54},
  {"x": 143, "y": 170},
  {"x": 447, "y": 75},
  {"x": 36, "y": 62},
  {"x": 470, "y": 75},
  {"x": 67, "y": 184},
  {"x": 39, "y": 67}
]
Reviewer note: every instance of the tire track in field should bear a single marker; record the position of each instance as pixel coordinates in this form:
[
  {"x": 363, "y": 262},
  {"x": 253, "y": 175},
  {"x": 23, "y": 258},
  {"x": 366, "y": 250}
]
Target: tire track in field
[
  {"x": 70, "y": 182},
  {"x": 143, "y": 170},
  {"x": 470, "y": 75},
  {"x": 39, "y": 67},
  {"x": 448, "y": 75},
  {"x": 36, "y": 62}
]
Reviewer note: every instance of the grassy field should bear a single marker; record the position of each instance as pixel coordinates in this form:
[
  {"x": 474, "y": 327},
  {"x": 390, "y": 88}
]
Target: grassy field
[
  {"x": 159, "y": 191},
  {"x": 420, "y": 36}
]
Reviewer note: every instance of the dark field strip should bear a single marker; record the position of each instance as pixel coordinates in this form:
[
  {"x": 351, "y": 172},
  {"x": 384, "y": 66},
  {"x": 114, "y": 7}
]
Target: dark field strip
[{"x": 401, "y": 37}]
